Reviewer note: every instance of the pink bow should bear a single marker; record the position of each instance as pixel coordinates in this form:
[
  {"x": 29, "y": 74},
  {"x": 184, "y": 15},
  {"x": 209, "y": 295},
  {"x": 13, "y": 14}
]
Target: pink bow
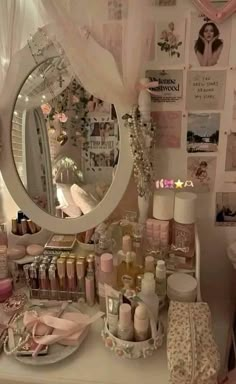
[
  {"x": 147, "y": 86},
  {"x": 67, "y": 327}
]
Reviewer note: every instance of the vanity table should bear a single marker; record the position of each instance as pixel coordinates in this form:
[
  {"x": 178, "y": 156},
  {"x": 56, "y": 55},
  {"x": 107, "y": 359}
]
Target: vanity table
[{"x": 92, "y": 363}]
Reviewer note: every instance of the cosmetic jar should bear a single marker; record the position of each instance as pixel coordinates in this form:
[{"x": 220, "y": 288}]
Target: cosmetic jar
[
  {"x": 5, "y": 289},
  {"x": 181, "y": 287}
]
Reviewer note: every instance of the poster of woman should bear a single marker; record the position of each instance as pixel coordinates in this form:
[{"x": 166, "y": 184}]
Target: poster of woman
[{"x": 209, "y": 42}]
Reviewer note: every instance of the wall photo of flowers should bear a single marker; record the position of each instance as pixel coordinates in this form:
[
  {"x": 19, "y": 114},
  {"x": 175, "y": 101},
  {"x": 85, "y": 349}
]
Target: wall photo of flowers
[{"x": 170, "y": 42}]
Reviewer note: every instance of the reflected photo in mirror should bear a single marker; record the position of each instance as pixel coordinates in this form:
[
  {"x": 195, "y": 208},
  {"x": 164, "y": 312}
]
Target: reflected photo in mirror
[{"x": 63, "y": 137}]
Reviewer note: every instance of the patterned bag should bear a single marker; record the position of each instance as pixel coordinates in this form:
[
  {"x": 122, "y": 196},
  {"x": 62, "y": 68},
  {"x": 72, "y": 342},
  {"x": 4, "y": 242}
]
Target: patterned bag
[{"x": 193, "y": 356}]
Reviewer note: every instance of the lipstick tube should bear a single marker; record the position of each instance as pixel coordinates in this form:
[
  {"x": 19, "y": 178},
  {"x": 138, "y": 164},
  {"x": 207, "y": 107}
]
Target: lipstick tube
[
  {"x": 32, "y": 227},
  {"x": 24, "y": 226},
  {"x": 52, "y": 275},
  {"x": 70, "y": 273},
  {"x": 43, "y": 281},
  {"x": 14, "y": 227},
  {"x": 80, "y": 274},
  {"x": 61, "y": 272}
]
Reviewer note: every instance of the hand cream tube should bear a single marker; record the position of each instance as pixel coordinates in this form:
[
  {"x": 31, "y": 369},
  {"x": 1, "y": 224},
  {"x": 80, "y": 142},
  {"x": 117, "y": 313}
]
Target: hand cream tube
[{"x": 113, "y": 301}]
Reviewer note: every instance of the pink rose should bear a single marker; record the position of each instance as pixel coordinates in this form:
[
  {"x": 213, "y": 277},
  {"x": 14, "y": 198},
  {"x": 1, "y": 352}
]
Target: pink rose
[
  {"x": 61, "y": 117},
  {"x": 75, "y": 99},
  {"x": 46, "y": 108}
]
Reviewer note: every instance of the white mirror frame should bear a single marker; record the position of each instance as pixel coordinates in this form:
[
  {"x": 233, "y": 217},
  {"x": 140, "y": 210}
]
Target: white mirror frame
[{"x": 10, "y": 174}]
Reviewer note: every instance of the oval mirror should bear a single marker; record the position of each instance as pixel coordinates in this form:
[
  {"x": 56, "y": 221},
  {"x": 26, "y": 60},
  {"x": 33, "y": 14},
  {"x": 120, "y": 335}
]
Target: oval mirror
[{"x": 66, "y": 154}]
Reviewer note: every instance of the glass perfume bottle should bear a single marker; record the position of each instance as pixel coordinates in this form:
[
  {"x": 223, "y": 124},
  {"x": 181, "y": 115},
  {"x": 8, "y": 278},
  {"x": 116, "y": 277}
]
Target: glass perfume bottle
[
  {"x": 137, "y": 243},
  {"x": 127, "y": 271}
]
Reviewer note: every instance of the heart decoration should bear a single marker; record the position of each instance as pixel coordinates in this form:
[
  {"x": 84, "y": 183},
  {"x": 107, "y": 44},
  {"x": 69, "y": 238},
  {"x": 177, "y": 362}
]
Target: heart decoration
[{"x": 218, "y": 15}]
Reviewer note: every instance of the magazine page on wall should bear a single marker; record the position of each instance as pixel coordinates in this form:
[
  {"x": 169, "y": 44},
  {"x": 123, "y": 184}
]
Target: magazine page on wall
[{"x": 209, "y": 42}]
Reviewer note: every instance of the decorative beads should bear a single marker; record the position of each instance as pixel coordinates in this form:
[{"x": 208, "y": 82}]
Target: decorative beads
[{"x": 141, "y": 137}]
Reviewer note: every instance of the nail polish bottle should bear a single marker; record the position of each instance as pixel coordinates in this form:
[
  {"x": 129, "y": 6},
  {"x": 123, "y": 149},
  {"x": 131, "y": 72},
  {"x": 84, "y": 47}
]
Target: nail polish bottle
[
  {"x": 125, "y": 329},
  {"x": 183, "y": 241}
]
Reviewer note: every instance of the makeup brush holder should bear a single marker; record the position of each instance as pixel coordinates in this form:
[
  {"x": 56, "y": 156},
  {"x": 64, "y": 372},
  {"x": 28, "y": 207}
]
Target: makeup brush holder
[
  {"x": 39, "y": 238},
  {"x": 133, "y": 349}
]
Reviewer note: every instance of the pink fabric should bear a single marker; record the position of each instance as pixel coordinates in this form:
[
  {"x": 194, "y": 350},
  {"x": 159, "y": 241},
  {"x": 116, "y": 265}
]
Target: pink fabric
[{"x": 65, "y": 328}]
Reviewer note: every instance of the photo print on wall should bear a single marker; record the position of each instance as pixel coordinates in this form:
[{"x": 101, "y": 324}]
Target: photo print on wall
[
  {"x": 209, "y": 42},
  {"x": 205, "y": 90},
  {"x": 168, "y": 129},
  {"x": 170, "y": 88},
  {"x": 230, "y": 161},
  {"x": 202, "y": 170},
  {"x": 171, "y": 41},
  {"x": 203, "y": 132},
  {"x": 225, "y": 208}
]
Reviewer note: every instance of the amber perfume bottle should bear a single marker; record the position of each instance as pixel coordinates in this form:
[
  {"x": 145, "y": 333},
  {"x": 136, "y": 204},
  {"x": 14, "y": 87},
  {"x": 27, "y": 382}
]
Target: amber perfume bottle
[{"x": 127, "y": 271}]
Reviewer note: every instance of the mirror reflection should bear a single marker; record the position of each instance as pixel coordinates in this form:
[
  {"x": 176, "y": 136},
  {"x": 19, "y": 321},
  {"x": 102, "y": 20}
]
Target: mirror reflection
[{"x": 65, "y": 141}]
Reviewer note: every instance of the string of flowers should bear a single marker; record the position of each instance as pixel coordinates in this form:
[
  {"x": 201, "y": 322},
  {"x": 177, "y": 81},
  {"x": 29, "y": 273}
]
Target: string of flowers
[{"x": 141, "y": 138}]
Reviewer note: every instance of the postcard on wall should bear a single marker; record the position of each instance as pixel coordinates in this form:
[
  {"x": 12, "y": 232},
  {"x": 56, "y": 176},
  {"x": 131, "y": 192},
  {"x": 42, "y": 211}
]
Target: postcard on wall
[
  {"x": 170, "y": 88},
  {"x": 225, "y": 208},
  {"x": 203, "y": 132},
  {"x": 205, "y": 90},
  {"x": 230, "y": 161},
  {"x": 171, "y": 41},
  {"x": 202, "y": 170},
  {"x": 168, "y": 128},
  {"x": 209, "y": 42},
  {"x": 98, "y": 109}
]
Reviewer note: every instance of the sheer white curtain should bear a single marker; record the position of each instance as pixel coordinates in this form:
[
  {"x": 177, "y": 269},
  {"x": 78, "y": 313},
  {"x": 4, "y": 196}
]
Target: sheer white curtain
[
  {"x": 109, "y": 58},
  {"x": 18, "y": 19}
]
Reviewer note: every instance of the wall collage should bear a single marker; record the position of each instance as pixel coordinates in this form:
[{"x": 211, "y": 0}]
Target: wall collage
[{"x": 190, "y": 57}]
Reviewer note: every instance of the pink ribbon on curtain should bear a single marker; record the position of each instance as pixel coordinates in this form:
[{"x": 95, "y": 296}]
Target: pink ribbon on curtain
[
  {"x": 147, "y": 86},
  {"x": 67, "y": 327}
]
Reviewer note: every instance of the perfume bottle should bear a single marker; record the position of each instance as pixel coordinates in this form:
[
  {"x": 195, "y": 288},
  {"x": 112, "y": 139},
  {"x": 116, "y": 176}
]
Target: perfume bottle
[
  {"x": 106, "y": 276},
  {"x": 127, "y": 222},
  {"x": 104, "y": 245},
  {"x": 183, "y": 238},
  {"x": 161, "y": 279},
  {"x": 148, "y": 294},
  {"x": 127, "y": 271},
  {"x": 137, "y": 243}
]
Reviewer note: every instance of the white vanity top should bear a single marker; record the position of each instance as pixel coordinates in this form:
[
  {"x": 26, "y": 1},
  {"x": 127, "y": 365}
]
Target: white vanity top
[{"x": 92, "y": 363}]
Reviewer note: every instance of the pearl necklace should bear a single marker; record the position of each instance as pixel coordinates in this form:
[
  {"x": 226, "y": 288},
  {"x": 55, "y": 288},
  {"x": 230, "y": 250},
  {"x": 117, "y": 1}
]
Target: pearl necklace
[
  {"x": 24, "y": 335},
  {"x": 141, "y": 137}
]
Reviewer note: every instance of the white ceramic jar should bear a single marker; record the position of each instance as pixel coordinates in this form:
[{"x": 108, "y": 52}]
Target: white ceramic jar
[{"x": 181, "y": 287}]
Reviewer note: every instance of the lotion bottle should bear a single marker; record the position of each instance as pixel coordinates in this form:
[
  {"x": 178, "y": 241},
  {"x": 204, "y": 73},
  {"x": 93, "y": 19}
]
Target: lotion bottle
[
  {"x": 125, "y": 329},
  {"x": 141, "y": 323},
  {"x": 148, "y": 294}
]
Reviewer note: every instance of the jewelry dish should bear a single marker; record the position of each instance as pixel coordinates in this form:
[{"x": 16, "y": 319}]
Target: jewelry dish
[{"x": 56, "y": 352}]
